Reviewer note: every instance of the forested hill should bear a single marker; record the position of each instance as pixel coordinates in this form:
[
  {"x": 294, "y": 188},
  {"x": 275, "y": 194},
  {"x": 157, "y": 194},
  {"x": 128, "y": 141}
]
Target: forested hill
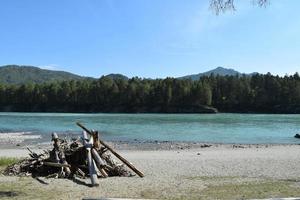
[
  {"x": 117, "y": 76},
  {"x": 19, "y": 74},
  {"x": 244, "y": 94},
  {"x": 15, "y": 74},
  {"x": 219, "y": 71}
]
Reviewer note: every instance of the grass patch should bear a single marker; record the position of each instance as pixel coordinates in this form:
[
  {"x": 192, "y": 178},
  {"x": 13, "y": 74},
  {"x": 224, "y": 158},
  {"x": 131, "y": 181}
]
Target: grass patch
[
  {"x": 257, "y": 190},
  {"x": 228, "y": 187},
  {"x": 23, "y": 188},
  {"x": 6, "y": 161},
  {"x": 28, "y": 188},
  {"x": 210, "y": 178}
]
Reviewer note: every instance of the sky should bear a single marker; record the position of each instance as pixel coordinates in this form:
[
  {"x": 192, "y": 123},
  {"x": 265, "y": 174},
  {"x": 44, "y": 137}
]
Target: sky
[{"x": 150, "y": 38}]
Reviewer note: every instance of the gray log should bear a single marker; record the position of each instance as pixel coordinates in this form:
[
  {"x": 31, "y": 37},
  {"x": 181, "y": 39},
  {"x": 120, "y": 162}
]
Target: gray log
[
  {"x": 52, "y": 164},
  {"x": 92, "y": 171},
  {"x": 99, "y": 162}
]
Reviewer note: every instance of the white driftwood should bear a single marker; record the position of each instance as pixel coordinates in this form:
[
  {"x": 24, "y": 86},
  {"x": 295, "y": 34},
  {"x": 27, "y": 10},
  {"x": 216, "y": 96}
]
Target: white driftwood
[
  {"x": 99, "y": 162},
  {"x": 88, "y": 143}
]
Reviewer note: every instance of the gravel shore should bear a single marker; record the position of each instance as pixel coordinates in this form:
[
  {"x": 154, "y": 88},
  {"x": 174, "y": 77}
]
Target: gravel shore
[
  {"x": 177, "y": 171},
  {"x": 272, "y": 161}
]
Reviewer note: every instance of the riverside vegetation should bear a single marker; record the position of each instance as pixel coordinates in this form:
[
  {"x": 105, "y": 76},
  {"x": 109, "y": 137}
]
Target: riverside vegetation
[{"x": 241, "y": 93}]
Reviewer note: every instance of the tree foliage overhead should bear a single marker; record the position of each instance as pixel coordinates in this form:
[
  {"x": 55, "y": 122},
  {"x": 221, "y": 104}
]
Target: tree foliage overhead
[
  {"x": 257, "y": 93},
  {"x": 223, "y": 5}
]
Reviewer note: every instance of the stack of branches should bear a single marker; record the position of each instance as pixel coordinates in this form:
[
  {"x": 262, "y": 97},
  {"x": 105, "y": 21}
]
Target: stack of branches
[{"x": 85, "y": 157}]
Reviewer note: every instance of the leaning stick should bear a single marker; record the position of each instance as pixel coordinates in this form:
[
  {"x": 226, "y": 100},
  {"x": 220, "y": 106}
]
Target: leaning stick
[{"x": 115, "y": 153}]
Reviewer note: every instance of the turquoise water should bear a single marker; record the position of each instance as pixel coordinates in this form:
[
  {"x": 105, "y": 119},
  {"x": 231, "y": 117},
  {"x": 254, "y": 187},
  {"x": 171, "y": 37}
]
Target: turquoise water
[{"x": 219, "y": 128}]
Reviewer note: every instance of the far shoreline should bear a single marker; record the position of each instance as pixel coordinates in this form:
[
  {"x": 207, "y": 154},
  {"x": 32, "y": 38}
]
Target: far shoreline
[
  {"x": 158, "y": 113},
  {"x": 135, "y": 145}
]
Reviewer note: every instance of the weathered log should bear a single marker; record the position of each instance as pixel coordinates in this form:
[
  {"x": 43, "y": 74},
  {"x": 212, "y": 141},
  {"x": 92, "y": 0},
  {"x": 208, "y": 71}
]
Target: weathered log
[
  {"x": 99, "y": 162},
  {"x": 56, "y": 156},
  {"x": 132, "y": 167},
  {"x": 52, "y": 164},
  {"x": 92, "y": 171},
  {"x": 113, "y": 168},
  {"x": 95, "y": 136},
  {"x": 97, "y": 158},
  {"x": 80, "y": 172},
  {"x": 60, "y": 154},
  {"x": 55, "y": 175}
]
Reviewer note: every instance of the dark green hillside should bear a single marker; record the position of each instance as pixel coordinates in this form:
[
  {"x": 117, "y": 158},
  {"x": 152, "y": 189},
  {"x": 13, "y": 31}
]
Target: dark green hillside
[
  {"x": 15, "y": 74},
  {"x": 220, "y": 71},
  {"x": 117, "y": 76},
  {"x": 32, "y": 89},
  {"x": 247, "y": 94}
]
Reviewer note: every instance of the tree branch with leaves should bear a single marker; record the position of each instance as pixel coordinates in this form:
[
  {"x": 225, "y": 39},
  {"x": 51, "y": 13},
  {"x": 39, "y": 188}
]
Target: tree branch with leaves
[{"x": 224, "y": 5}]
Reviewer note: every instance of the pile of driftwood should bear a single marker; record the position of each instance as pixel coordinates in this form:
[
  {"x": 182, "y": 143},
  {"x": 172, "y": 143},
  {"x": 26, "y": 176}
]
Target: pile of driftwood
[{"x": 87, "y": 156}]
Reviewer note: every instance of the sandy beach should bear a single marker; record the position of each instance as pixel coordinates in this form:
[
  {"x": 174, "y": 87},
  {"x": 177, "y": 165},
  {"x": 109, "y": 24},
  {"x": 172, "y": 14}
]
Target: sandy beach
[{"x": 184, "y": 172}]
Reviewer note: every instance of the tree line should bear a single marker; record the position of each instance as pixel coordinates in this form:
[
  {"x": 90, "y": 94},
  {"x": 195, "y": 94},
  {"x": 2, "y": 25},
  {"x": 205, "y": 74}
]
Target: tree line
[{"x": 245, "y": 94}]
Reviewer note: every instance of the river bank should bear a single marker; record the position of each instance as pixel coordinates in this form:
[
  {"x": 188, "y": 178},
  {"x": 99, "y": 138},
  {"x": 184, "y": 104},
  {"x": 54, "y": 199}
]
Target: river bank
[{"x": 210, "y": 172}]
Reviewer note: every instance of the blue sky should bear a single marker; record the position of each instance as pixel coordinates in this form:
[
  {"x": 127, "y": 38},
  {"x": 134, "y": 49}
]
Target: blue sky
[{"x": 149, "y": 38}]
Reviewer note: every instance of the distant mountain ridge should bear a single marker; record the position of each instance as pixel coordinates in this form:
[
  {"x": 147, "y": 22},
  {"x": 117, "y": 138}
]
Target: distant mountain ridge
[
  {"x": 16, "y": 74},
  {"x": 20, "y": 74},
  {"x": 221, "y": 71},
  {"x": 117, "y": 76}
]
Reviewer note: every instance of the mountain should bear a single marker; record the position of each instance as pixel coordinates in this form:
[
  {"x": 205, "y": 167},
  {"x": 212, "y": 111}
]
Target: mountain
[
  {"x": 117, "y": 76},
  {"x": 218, "y": 71},
  {"x": 19, "y": 74},
  {"x": 15, "y": 74}
]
